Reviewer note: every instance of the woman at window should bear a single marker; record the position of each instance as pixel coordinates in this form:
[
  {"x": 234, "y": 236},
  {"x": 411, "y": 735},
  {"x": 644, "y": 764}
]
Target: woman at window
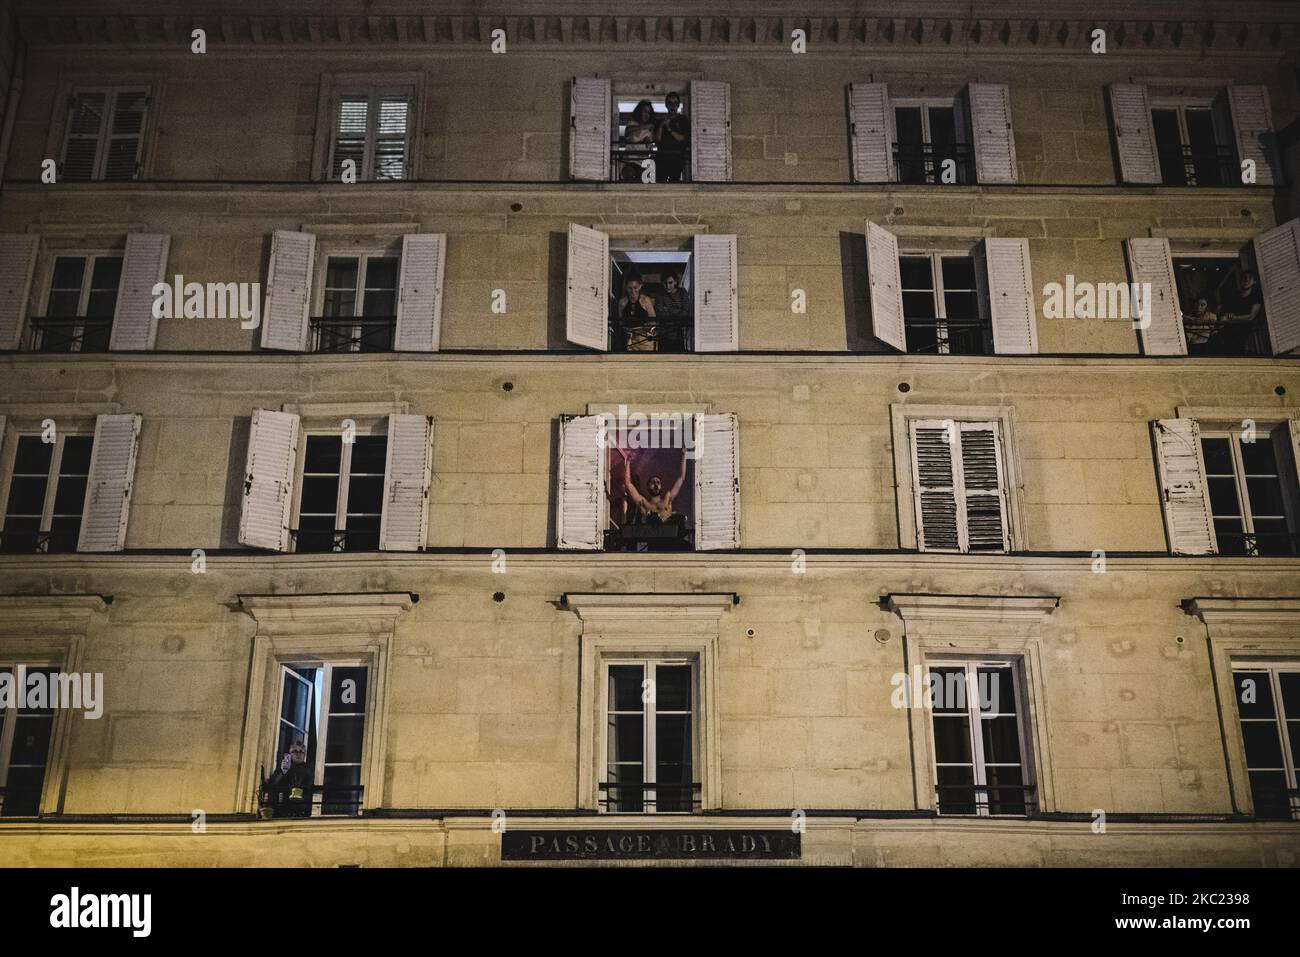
[
  {"x": 636, "y": 314},
  {"x": 640, "y": 135}
]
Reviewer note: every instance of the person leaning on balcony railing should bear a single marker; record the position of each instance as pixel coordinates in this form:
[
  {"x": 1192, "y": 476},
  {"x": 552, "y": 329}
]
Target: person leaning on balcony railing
[
  {"x": 288, "y": 791},
  {"x": 636, "y": 314},
  {"x": 1239, "y": 307},
  {"x": 1201, "y": 324},
  {"x": 673, "y": 137}
]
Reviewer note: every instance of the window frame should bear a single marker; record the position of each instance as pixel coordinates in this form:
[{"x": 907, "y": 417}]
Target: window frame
[
  {"x": 638, "y": 89},
  {"x": 90, "y": 258},
  {"x": 375, "y": 92},
  {"x": 363, "y": 256},
  {"x": 365, "y": 427},
  {"x": 1224, "y": 137},
  {"x": 52, "y": 476},
  {"x": 936, "y": 257},
  {"x": 1290, "y": 767},
  {"x": 1289, "y": 485},
  {"x": 961, "y": 131},
  {"x": 103, "y": 140}
]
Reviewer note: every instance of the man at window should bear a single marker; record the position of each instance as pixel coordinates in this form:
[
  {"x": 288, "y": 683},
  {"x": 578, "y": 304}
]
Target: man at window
[
  {"x": 655, "y": 506},
  {"x": 635, "y": 313},
  {"x": 289, "y": 789},
  {"x": 674, "y": 139},
  {"x": 673, "y": 305},
  {"x": 1239, "y": 307}
]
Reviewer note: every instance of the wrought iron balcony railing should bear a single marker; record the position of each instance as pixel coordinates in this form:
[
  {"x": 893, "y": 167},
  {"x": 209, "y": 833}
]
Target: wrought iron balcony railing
[
  {"x": 1274, "y": 544},
  {"x": 1276, "y": 803},
  {"x": 927, "y": 163},
  {"x": 627, "y": 162},
  {"x": 328, "y": 800},
  {"x": 1183, "y": 166},
  {"x": 26, "y": 543},
  {"x": 649, "y": 798},
  {"x": 1006, "y": 800},
  {"x": 1227, "y": 338},
  {"x": 68, "y": 333},
  {"x": 674, "y": 535},
  {"x": 334, "y": 540},
  {"x": 352, "y": 333},
  {"x": 957, "y": 337},
  {"x": 660, "y": 334}
]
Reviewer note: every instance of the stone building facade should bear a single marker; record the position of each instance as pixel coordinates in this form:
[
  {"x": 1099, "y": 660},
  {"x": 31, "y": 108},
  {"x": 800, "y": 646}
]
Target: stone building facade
[{"x": 384, "y": 517}]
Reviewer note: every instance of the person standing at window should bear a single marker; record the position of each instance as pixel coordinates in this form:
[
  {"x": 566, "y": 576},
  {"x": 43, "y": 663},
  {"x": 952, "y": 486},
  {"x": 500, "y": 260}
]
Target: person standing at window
[
  {"x": 673, "y": 137},
  {"x": 636, "y": 313},
  {"x": 289, "y": 790},
  {"x": 639, "y": 139},
  {"x": 1240, "y": 306},
  {"x": 673, "y": 305}
]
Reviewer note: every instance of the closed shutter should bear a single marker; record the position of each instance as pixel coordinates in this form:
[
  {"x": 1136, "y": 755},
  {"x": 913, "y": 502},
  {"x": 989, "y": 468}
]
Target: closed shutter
[
  {"x": 143, "y": 265},
  {"x": 1135, "y": 137},
  {"x": 870, "y": 131},
  {"x": 1011, "y": 296},
  {"x": 1183, "y": 488},
  {"x": 1149, "y": 262},
  {"x": 934, "y": 486},
  {"x": 288, "y": 291},
  {"x": 710, "y": 131},
  {"x": 126, "y": 134},
  {"x": 391, "y": 133},
  {"x": 589, "y": 128},
  {"x": 983, "y": 487},
  {"x": 586, "y": 310},
  {"x": 717, "y": 482},
  {"x": 886, "y": 287},
  {"x": 268, "y": 480},
  {"x": 995, "y": 148},
  {"x": 1277, "y": 256},
  {"x": 87, "y": 114},
  {"x": 1252, "y": 125},
  {"x": 962, "y": 508},
  {"x": 351, "y": 124},
  {"x": 716, "y": 309},
  {"x": 405, "y": 523},
  {"x": 108, "y": 488},
  {"x": 582, "y": 506},
  {"x": 419, "y": 300},
  {"x": 17, "y": 260}
]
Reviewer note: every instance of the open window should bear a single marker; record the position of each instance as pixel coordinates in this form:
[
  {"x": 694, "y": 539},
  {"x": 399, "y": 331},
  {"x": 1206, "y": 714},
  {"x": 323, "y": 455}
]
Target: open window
[
  {"x": 651, "y": 725},
  {"x": 931, "y": 143}
]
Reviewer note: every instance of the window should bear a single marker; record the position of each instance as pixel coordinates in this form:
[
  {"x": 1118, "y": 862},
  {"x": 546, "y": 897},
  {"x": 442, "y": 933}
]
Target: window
[
  {"x": 371, "y": 129},
  {"x": 651, "y": 139},
  {"x": 1268, "y": 703},
  {"x": 979, "y": 757},
  {"x": 80, "y": 307},
  {"x": 650, "y": 736},
  {"x": 1215, "y": 308},
  {"x": 47, "y": 493},
  {"x": 930, "y": 144},
  {"x": 942, "y": 307},
  {"x": 651, "y": 308},
  {"x": 960, "y": 487},
  {"x": 342, "y": 498},
  {"x": 359, "y": 305},
  {"x": 1193, "y": 144},
  {"x": 319, "y": 740},
  {"x": 25, "y": 735},
  {"x": 105, "y": 132},
  {"x": 1252, "y": 496}
]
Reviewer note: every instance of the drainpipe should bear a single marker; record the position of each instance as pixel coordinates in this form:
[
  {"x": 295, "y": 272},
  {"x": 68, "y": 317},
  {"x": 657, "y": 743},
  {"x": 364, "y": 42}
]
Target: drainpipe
[{"x": 11, "y": 106}]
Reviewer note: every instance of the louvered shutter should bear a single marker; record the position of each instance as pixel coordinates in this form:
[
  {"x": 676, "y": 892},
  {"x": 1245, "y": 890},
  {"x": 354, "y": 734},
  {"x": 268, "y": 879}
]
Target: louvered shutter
[
  {"x": 995, "y": 148},
  {"x": 126, "y": 134},
  {"x": 269, "y": 479},
  {"x": 108, "y": 487},
  {"x": 17, "y": 261},
  {"x": 589, "y": 128},
  {"x": 1149, "y": 261},
  {"x": 134, "y": 325},
  {"x": 1183, "y": 488},
  {"x": 1277, "y": 256},
  {"x": 405, "y": 523},
  {"x": 1011, "y": 296},
  {"x": 419, "y": 300},
  {"x": 934, "y": 486},
  {"x": 710, "y": 131},
  {"x": 1135, "y": 137},
  {"x": 716, "y": 309},
  {"x": 983, "y": 487},
  {"x": 886, "y": 287},
  {"x": 351, "y": 124},
  {"x": 391, "y": 138},
  {"x": 1252, "y": 125},
  {"x": 717, "y": 482},
  {"x": 86, "y": 120},
  {"x": 288, "y": 291},
  {"x": 871, "y": 133},
  {"x": 587, "y": 288},
  {"x": 582, "y": 505}
]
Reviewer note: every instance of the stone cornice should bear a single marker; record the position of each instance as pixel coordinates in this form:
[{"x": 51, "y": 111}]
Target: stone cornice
[
  {"x": 594, "y": 606},
  {"x": 937, "y": 607},
  {"x": 277, "y": 612},
  {"x": 53, "y": 610},
  {"x": 1245, "y": 611},
  {"x": 550, "y": 31}
]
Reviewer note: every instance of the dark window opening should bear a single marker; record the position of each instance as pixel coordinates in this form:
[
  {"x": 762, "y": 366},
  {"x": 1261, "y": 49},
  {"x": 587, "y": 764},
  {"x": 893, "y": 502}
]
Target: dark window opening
[
  {"x": 47, "y": 493},
  {"x": 79, "y": 311},
  {"x": 1191, "y": 149},
  {"x": 651, "y": 493},
  {"x": 651, "y": 140},
  {"x": 930, "y": 146},
  {"x": 342, "y": 495},
  {"x": 942, "y": 312},
  {"x": 652, "y": 307},
  {"x": 25, "y": 736},
  {"x": 359, "y": 306},
  {"x": 1268, "y": 706},
  {"x": 1218, "y": 299},
  {"x": 1252, "y": 493}
]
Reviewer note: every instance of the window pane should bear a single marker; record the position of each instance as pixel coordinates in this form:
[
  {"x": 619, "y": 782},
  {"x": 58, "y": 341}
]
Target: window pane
[
  {"x": 70, "y": 496},
  {"x": 1259, "y": 456},
  {"x": 997, "y": 691},
  {"x": 76, "y": 455},
  {"x": 1001, "y": 740},
  {"x": 673, "y": 749},
  {"x": 1268, "y": 791},
  {"x": 343, "y": 738},
  {"x": 26, "y": 496},
  {"x": 961, "y": 305},
  {"x": 943, "y": 128},
  {"x": 324, "y": 453},
  {"x": 341, "y": 791},
  {"x": 22, "y": 796},
  {"x": 907, "y": 123},
  {"x": 1290, "y": 682},
  {"x": 626, "y": 738},
  {"x": 952, "y": 740},
  {"x": 348, "y": 690},
  {"x": 1265, "y": 496},
  {"x": 1263, "y": 745},
  {"x": 673, "y": 688},
  {"x": 365, "y": 495},
  {"x": 32, "y": 739},
  {"x": 1223, "y": 496},
  {"x": 625, "y": 687},
  {"x": 368, "y": 454},
  {"x": 915, "y": 272},
  {"x": 1010, "y": 799},
  {"x": 919, "y": 305},
  {"x": 1254, "y": 694},
  {"x": 319, "y": 495},
  {"x": 947, "y": 689},
  {"x": 955, "y": 795},
  {"x": 1218, "y": 456},
  {"x": 32, "y": 456}
]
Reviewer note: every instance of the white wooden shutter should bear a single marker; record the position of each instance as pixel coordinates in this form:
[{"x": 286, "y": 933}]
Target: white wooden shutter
[
  {"x": 125, "y": 134},
  {"x": 86, "y": 115},
  {"x": 710, "y": 131},
  {"x": 871, "y": 133},
  {"x": 589, "y": 127},
  {"x": 717, "y": 482},
  {"x": 1183, "y": 488},
  {"x": 886, "y": 287},
  {"x": 582, "y": 505},
  {"x": 995, "y": 148},
  {"x": 108, "y": 489},
  {"x": 408, "y": 471},
  {"x": 1011, "y": 296},
  {"x": 586, "y": 312},
  {"x": 17, "y": 260},
  {"x": 288, "y": 291},
  {"x": 1277, "y": 256},
  {"x": 1135, "y": 136},
  {"x": 716, "y": 309},
  {"x": 959, "y": 486},
  {"x": 1149, "y": 261},
  {"x": 269, "y": 479},
  {"x": 983, "y": 487},
  {"x": 1252, "y": 124},
  {"x": 934, "y": 485},
  {"x": 134, "y": 325},
  {"x": 419, "y": 300}
]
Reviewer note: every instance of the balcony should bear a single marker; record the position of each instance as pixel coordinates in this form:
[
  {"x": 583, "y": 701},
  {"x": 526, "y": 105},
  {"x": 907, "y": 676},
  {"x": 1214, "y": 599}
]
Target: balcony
[
  {"x": 352, "y": 333},
  {"x": 618, "y": 798},
  {"x": 924, "y": 163},
  {"x": 626, "y": 159},
  {"x": 67, "y": 334},
  {"x": 1227, "y": 338},
  {"x": 312, "y": 540},
  {"x": 953, "y": 337},
  {"x": 674, "y": 535},
  {"x": 18, "y": 542},
  {"x": 1255, "y": 544},
  {"x": 1005, "y": 800},
  {"x": 1185, "y": 166},
  {"x": 329, "y": 800},
  {"x": 661, "y": 334}
]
